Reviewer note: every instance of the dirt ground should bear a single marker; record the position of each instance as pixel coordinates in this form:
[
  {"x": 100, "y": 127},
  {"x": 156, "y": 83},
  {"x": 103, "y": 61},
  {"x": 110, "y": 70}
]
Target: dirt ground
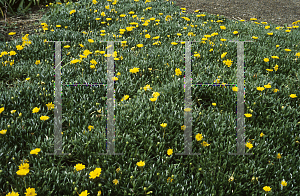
[{"x": 271, "y": 11}]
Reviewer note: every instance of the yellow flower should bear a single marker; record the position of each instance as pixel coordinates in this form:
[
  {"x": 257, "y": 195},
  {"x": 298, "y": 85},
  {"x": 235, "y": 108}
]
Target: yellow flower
[
  {"x": 141, "y": 163},
  {"x": 204, "y": 143},
  {"x": 169, "y": 179},
  {"x": 147, "y": 36},
  {"x": 37, "y": 62},
  {"x": 187, "y": 109},
  {"x": 293, "y": 96},
  {"x": 278, "y": 156},
  {"x": 266, "y": 59},
  {"x": 50, "y": 106},
  {"x": 73, "y": 11},
  {"x": 24, "y": 166},
  {"x": 115, "y": 181},
  {"x": 3, "y": 131},
  {"x": 183, "y": 127},
  {"x": 223, "y": 55},
  {"x": 267, "y": 86},
  {"x": 214, "y": 104},
  {"x": 12, "y": 33},
  {"x": 248, "y": 115},
  {"x": 134, "y": 70},
  {"x": 147, "y": 87},
  {"x": 84, "y": 193},
  {"x": 155, "y": 94},
  {"x": 30, "y": 191},
  {"x": 36, "y": 110},
  {"x": 22, "y": 172},
  {"x": 90, "y": 127},
  {"x": 170, "y": 151},
  {"x": 99, "y": 193},
  {"x": 93, "y": 67},
  {"x": 1, "y": 110},
  {"x": 235, "y": 89},
  {"x": 13, "y": 194},
  {"x": 35, "y": 151},
  {"x": 13, "y": 111},
  {"x": 267, "y": 188},
  {"x": 153, "y": 99},
  {"x": 163, "y": 125},
  {"x": 44, "y": 118},
  {"x": 228, "y": 62},
  {"x": 199, "y": 137},
  {"x": 177, "y": 72},
  {"x": 260, "y": 88},
  {"x": 79, "y": 167},
  {"x": 283, "y": 183},
  {"x": 140, "y": 45},
  {"x": 249, "y": 145},
  {"x": 261, "y": 134},
  {"x": 95, "y": 173},
  {"x": 90, "y": 40}
]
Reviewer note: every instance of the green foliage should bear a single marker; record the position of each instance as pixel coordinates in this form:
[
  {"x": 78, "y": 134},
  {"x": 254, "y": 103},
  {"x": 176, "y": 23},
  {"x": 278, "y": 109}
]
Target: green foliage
[{"x": 139, "y": 135}]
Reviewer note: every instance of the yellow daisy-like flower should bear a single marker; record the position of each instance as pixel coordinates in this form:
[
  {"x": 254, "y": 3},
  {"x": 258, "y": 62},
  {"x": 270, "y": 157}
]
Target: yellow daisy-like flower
[
  {"x": 79, "y": 167},
  {"x": 22, "y": 172},
  {"x": 35, "y": 151},
  {"x": 155, "y": 94},
  {"x": 44, "y": 118},
  {"x": 3, "y": 132},
  {"x": 170, "y": 152},
  {"x": 199, "y": 137},
  {"x": 141, "y": 163},
  {"x": 235, "y": 89},
  {"x": 115, "y": 181},
  {"x": 50, "y": 106},
  {"x": 204, "y": 143},
  {"x": 293, "y": 96},
  {"x": 90, "y": 127},
  {"x": 36, "y": 110},
  {"x": 278, "y": 156},
  {"x": 249, "y": 145},
  {"x": 163, "y": 125},
  {"x": 267, "y": 188},
  {"x": 153, "y": 99},
  {"x": 283, "y": 183},
  {"x": 248, "y": 115}
]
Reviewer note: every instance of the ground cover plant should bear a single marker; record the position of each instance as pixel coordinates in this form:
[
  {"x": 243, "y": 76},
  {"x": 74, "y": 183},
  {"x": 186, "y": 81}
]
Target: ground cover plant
[{"x": 149, "y": 104}]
